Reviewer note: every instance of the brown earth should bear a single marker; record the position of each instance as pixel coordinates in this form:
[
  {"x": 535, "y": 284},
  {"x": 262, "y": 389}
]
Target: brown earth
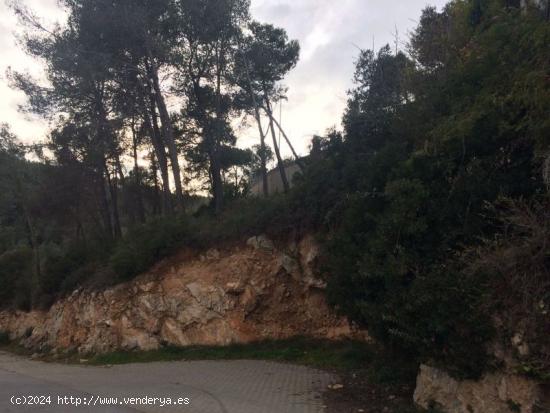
[{"x": 246, "y": 293}]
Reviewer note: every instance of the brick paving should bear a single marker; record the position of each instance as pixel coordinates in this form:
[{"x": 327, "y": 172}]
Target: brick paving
[{"x": 212, "y": 386}]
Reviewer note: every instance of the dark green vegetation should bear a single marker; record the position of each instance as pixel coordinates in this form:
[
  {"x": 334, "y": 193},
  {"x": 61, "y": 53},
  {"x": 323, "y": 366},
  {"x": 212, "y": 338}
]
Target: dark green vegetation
[
  {"x": 345, "y": 355},
  {"x": 4, "y": 338},
  {"x": 432, "y": 204},
  {"x": 433, "y": 141}
]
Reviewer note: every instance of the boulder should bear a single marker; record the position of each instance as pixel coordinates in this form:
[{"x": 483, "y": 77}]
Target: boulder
[
  {"x": 212, "y": 254},
  {"x": 496, "y": 392},
  {"x": 261, "y": 242}
]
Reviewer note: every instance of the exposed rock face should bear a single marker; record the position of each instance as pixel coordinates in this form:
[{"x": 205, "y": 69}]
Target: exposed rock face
[
  {"x": 240, "y": 295},
  {"x": 494, "y": 393}
]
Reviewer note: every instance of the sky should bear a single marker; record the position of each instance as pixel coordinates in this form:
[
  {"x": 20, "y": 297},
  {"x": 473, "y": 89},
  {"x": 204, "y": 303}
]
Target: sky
[{"x": 330, "y": 34}]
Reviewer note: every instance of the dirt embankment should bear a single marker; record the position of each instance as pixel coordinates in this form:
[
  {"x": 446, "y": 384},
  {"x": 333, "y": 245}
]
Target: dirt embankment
[{"x": 247, "y": 293}]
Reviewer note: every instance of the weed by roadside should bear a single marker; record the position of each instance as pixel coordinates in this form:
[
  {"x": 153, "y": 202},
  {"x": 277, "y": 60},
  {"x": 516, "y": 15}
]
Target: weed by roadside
[{"x": 338, "y": 355}]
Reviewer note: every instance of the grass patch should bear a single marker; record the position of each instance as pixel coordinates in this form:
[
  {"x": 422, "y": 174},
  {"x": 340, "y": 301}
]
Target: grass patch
[
  {"x": 15, "y": 348},
  {"x": 340, "y": 355}
]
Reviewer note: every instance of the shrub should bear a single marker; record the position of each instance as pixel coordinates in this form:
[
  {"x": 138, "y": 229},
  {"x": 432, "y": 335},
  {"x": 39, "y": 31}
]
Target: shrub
[
  {"x": 59, "y": 264},
  {"x": 517, "y": 265},
  {"x": 4, "y": 338},
  {"x": 15, "y": 277},
  {"x": 142, "y": 246}
]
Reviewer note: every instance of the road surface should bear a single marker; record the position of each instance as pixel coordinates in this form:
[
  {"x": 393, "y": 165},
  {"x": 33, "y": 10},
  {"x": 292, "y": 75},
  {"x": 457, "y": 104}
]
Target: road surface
[{"x": 190, "y": 387}]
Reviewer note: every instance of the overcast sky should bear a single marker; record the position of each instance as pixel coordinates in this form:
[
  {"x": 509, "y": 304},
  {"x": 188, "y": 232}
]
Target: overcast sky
[{"x": 330, "y": 33}]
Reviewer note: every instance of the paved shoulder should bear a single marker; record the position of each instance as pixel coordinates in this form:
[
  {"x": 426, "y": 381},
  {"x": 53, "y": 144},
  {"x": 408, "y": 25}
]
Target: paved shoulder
[
  {"x": 23, "y": 394},
  {"x": 196, "y": 386}
]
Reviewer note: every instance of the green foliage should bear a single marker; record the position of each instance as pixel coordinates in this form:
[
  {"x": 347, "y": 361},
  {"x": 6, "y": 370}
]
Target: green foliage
[
  {"x": 64, "y": 267},
  {"x": 146, "y": 244},
  {"x": 4, "y": 338},
  {"x": 15, "y": 277},
  {"x": 244, "y": 218},
  {"x": 428, "y": 144},
  {"x": 342, "y": 355},
  {"x": 517, "y": 267},
  {"x": 513, "y": 406}
]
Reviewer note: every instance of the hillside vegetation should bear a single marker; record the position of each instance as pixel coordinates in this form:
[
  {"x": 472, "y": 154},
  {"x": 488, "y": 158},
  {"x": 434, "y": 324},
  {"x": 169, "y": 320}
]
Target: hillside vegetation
[{"x": 431, "y": 204}]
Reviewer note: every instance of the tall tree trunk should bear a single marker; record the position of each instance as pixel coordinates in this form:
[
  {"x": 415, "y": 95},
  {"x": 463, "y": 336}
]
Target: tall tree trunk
[
  {"x": 137, "y": 175},
  {"x": 158, "y": 145},
  {"x": 215, "y": 161},
  {"x": 119, "y": 169},
  {"x": 217, "y": 182},
  {"x": 296, "y": 157},
  {"x": 158, "y": 200},
  {"x": 214, "y": 169},
  {"x": 127, "y": 196},
  {"x": 116, "y": 214},
  {"x": 80, "y": 232},
  {"x": 263, "y": 152},
  {"x": 280, "y": 164},
  {"x": 37, "y": 271},
  {"x": 33, "y": 240},
  {"x": 106, "y": 139},
  {"x": 112, "y": 190},
  {"x": 263, "y": 161},
  {"x": 105, "y": 206},
  {"x": 168, "y": 129}
]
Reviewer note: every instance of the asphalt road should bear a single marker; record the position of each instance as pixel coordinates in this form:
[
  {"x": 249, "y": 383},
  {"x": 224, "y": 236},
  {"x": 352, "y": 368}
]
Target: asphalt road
[{"x": 194, "y": 386}]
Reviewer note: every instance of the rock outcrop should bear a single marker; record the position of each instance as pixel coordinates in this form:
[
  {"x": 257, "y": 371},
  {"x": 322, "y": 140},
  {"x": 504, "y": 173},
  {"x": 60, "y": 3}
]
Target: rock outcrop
[
  {"x": 494, "y": 393},
  {"x": 241, "y": 295}
]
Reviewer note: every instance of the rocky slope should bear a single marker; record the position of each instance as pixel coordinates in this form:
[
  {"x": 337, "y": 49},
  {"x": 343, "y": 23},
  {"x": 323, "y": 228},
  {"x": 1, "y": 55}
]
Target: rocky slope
[{"x": 244, "y": 294}]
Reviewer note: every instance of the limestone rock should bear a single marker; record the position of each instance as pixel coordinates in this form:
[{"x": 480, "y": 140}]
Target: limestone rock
[
  {"x": 312, "y": 282},
  {"x": 288, "y": 264},
  {"x": 209, "y": 297},
  {"x": 494, "y": 393},
  {"x": 212, "y": 254},
  {"x": 219, "y": 299},
  {"x": 261, "y": 242},
  {"x": 249, "y": 300},
  {"x": 520, "y": 345}
]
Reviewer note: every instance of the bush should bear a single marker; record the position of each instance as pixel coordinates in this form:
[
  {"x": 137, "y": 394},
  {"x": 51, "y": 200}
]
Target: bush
[
  {"x": 415, "y": 180},
  {"x": 517, "y": 266},
  {"x": 15, "y": 278},
  {"x": 59, "y": 264},
  {"x": 244, "y": 218},
  {"x": 144, "y": 245},
  {"x": 4, "y": 338}
]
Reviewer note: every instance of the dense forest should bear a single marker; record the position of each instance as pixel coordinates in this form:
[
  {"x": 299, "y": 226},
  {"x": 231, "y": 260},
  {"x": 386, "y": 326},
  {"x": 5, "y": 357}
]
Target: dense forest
[{"x": 431, "y": 204}]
